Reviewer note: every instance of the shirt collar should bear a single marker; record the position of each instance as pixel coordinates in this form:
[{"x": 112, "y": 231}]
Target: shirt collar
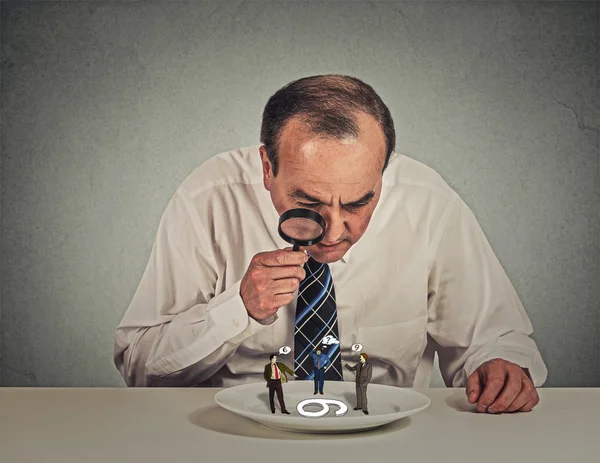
[{"x": 346, "y": 257}]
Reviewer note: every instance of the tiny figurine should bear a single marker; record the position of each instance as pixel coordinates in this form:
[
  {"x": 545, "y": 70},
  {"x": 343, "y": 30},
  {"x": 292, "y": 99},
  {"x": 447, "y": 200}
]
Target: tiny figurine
[
  {"x": 321, "y": 361},
  {"x": 364, "y": 371},
  {"x": 274, "y": 376}
]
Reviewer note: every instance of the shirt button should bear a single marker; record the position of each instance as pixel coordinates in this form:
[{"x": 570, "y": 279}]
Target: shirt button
[
  {"x": 247, "y": 332},
  {"x": 235, "y": 322}
]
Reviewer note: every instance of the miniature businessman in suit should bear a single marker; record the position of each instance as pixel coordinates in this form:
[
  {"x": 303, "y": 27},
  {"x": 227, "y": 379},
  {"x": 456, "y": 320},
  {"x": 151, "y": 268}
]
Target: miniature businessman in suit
[
  {"x": 321, "y": 361},
  {"x": 274, "y": 376},
  {"x": 363, "y": 376}
]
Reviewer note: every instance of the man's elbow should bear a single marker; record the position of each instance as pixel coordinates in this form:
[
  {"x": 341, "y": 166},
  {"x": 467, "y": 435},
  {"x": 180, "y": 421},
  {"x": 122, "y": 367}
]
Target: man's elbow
[
  {"x": 133, "y": 371},
  {"x": 132, "y": 350}
]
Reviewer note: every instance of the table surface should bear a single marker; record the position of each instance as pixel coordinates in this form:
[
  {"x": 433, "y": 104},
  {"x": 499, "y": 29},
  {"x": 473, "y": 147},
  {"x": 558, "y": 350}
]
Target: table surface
[{"x": 184, "y": 424}]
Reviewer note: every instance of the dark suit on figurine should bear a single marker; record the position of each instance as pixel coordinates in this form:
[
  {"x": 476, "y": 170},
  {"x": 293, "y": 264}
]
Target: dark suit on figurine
[
  {"x": 364, "y": 371},
  {"x": 274, "y": 378}
]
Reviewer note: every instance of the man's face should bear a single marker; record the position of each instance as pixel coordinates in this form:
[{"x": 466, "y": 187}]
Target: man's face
[
  {"x": 362, "y": 359},
  {"x": 274, "y": 359},
  {"x": 339, "y": 179},
  {"x": 318, "y": 351}
]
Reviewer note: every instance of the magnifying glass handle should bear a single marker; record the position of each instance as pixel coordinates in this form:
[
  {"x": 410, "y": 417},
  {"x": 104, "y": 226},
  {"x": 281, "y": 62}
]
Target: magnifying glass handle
[{"x": 296, "y": 248}]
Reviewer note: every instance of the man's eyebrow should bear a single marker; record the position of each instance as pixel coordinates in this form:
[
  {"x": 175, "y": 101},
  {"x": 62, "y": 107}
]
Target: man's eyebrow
[
  {"x": 299, "y": 193},
  {"x": 364, "y": 199}
]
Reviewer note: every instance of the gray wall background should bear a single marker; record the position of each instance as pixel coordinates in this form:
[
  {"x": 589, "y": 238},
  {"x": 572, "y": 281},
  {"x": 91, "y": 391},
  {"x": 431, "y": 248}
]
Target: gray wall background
[{"x": 106, "y": 107}]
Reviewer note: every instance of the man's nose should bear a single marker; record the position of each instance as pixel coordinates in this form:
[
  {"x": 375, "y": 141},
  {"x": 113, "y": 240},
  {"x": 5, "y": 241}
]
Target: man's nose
[{"x": 334, "y": 227}]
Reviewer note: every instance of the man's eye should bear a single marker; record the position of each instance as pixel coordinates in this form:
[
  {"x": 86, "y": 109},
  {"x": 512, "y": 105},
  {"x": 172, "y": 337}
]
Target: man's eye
[
  {"x": 356, "y": 206},
  {"x": 308, "y": 204}
]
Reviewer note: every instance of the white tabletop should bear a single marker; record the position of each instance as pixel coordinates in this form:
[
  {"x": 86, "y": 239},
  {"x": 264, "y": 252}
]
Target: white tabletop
[{"x": 86, "y": 425}]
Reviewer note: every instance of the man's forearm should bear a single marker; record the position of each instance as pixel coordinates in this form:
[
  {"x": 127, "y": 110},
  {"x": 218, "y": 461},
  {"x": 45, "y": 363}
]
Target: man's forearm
[
  {"x": 515, "y": 347},
  {"x": 138, "y": 357},
  {"x": 190, "y": 348}
]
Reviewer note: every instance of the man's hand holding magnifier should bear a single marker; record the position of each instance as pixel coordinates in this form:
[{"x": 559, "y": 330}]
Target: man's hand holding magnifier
[
  {"x": 271, "y": 280},
  {"x": 273, "y": 277}
]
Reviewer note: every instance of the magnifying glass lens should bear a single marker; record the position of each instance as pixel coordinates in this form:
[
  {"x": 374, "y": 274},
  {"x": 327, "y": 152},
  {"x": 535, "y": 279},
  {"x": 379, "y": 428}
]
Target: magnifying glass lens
[{"x": 301, "y": 228}]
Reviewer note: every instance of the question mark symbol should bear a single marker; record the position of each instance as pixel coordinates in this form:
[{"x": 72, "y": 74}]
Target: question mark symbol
[{"x": 357, "y": 347}]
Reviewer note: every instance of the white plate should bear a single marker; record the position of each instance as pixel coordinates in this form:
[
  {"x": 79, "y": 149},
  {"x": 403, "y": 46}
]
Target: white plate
[{"x": 385, "y": 404}]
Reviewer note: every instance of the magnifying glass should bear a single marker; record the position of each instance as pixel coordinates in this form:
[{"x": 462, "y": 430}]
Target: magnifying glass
[{"x": 301, "y": 227}]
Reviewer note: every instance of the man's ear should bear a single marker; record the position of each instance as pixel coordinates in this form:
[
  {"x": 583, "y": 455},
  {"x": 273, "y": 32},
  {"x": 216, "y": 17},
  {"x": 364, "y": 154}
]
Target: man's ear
[{"x": 267, "y": 168}]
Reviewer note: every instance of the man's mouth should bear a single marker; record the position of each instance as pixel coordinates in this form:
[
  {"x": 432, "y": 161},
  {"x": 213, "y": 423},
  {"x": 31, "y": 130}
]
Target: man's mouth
[{"x": 330, "y": 245}]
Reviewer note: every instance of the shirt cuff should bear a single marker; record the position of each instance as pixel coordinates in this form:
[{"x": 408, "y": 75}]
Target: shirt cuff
[
  {"x": 231, "y": 319},
  {"x": 534, "y": 363}
]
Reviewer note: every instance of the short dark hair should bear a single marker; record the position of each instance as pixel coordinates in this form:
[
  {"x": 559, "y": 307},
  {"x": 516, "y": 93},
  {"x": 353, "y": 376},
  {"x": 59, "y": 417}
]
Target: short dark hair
[
  {"x": 271, "y": 357},
  {"x": 328, "y": 104}
]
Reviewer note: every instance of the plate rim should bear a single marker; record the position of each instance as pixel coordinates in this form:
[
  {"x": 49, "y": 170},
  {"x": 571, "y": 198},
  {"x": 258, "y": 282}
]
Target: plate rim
[{"x": 260, "y": 417}]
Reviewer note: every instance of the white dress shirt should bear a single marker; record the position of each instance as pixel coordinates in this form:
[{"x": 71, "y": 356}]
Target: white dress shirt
[
  {"x": 423, "y": 277},
  {"x": 275, "y": 373}
]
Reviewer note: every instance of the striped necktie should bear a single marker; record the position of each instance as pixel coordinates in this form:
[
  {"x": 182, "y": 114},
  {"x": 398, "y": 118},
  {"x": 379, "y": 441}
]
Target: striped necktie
[{"x": 316, "y": 317}]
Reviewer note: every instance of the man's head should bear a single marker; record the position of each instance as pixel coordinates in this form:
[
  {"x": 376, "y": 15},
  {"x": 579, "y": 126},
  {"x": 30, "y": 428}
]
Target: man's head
[
  {"x": 318, "y": 351},
  {"x": 363, "y": 357},
  {"x": 273, "y": 358},
  {"x": 326, "y": 142}
]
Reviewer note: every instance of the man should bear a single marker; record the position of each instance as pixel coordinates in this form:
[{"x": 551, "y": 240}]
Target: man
[
  {"x": 320, "y": 361},
  {"x": 363, "y": 377},
  {"x": 274, "y": 375},
  {"x": 411, "y": 268}
]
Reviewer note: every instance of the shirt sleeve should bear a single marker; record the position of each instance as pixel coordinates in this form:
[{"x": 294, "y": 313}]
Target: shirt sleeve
[
  {"x": 288, "y": 369},
  {"x": 474, "y": 312},
  {"x": 176, "y": 331}
]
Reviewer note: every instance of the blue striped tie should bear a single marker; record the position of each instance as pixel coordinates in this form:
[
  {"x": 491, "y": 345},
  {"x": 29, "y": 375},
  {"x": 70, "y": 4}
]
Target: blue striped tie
[{"x": 316, "y": 317}]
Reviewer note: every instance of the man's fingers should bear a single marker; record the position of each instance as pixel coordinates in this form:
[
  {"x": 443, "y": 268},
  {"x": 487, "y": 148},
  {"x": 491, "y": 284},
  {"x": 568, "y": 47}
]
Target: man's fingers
[
  {"x": 519, "y": 402},
  {"x": 280, "y": 258},
  {"x": 527, "y": 399},
  {"x": 473, "y": 387},
  {"x": 302, "y": 248},
  {"x": 529, "y": 405},
  {"x": 289, "y": 271},
  {"x": 494, "y": 382},
  {"x": 512, "y": 388},
  {"x": 530, "y": 402},
  {"x": 285, "y": 286},
  {"x": 271, "y": 281},
  {"x": 282, "y": 299}
]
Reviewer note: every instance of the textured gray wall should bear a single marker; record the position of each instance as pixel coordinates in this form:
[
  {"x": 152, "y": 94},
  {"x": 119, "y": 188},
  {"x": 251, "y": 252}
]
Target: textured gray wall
[{"x": 108, "y": 106}]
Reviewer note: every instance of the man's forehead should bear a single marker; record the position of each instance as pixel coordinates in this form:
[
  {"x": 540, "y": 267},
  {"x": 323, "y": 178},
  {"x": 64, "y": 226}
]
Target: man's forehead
[
  {"x": 299, "y": 132},
  {"x": 333, "y": 154},
  {"x": 323, "y": 193},
  {"x": 343, "y": 178}
]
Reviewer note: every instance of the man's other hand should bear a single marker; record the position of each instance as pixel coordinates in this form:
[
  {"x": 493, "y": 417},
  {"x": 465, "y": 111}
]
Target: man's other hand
[
  {"x": 499, "y": 386},
  {"x": 271, "y": 280}
]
